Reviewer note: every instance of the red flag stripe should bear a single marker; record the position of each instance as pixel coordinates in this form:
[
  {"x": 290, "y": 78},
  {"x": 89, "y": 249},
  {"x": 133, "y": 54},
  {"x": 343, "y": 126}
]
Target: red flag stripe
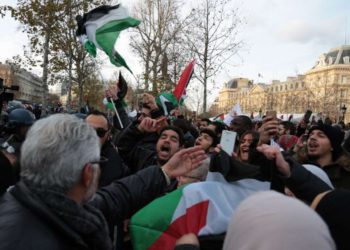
[
  {"x": 184, "y": 79},
  {"x": 192, "y": 221}
]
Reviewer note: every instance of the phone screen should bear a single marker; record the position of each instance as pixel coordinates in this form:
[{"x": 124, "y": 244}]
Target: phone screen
[{"x": 228, "y": 140}]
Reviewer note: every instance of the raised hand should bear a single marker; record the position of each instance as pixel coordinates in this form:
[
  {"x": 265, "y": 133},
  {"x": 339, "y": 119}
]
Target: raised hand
[
  {"x": 268, "y": 129},
  {"x": 150, "y": 100},
  {"x": 148, "y": 125},
  {"x": 274, "y": 153},
  {"x": 184, "y": 161},
  {"x": 112, "y": 92}
]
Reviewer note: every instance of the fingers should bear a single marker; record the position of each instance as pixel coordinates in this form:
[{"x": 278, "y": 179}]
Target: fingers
[
  {"x": 218, "y": 148},
  {"x": 269, "y": 151}
]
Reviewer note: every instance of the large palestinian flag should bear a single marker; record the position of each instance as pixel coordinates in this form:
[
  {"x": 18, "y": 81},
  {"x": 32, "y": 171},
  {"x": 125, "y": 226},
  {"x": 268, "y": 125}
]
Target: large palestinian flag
[
  {"x": 202, "y": 208},
  {"x": 100, "y": 28}
]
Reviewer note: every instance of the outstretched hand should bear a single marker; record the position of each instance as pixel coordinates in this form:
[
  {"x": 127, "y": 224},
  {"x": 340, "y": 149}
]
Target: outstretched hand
[
  {"x": 148, "y": 125},
  {"x": 274, "y": 153},
  {"x": 184, "y": 161}
]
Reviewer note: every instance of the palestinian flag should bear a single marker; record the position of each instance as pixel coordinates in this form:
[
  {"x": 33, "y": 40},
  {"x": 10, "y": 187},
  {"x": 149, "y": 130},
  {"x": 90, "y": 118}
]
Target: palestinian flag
[
  {"x": 203, "y": 208},
  {"x": 100, "y": 28},
  {"x": 167, "y": 101},
  {"x": 219, "y": 118},
  {"x": 180, "y": 90}
]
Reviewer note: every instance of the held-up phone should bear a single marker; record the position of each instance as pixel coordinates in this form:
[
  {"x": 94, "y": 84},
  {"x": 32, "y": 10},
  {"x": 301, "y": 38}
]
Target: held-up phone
[
  {"x": 228, "y": 140},
  {"x": 272, "y": 113},
  {"x": 307, "y": 116}
]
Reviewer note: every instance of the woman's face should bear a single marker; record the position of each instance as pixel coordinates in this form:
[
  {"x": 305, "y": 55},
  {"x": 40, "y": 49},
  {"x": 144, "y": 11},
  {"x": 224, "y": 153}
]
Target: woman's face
[{"x": 244, "y": 146}]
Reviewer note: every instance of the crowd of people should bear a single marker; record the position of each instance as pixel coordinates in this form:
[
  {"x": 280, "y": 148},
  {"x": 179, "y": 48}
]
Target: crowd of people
[{"x": 71, "y": 181}]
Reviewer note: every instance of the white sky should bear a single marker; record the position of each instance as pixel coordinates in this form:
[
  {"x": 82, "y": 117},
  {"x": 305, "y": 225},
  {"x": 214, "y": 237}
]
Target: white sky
[{"x": 282, "y": 37}]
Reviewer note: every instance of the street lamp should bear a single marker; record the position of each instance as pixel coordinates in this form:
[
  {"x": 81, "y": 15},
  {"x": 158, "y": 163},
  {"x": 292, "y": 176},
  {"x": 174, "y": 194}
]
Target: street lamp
[{"x": 343, "y": 111}]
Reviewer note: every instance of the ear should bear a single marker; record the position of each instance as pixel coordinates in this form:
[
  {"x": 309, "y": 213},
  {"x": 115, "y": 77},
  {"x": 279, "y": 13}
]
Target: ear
[{"x": 87, "y": 175}]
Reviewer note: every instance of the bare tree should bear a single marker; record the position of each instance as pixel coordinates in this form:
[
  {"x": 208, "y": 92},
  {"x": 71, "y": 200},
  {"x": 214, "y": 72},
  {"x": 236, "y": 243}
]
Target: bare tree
[
  {"x": 212, "y": 38},
  {"x": 156, "y": 38}
]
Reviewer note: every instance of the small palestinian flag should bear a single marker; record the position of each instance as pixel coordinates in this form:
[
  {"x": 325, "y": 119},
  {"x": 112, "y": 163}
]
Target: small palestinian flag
[{"x": 167, "y": 101}]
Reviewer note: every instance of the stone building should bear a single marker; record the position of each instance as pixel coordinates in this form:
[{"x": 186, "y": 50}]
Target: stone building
[
  {"x": 30, "y": 85},
  {"x": 324, "y": 89}
]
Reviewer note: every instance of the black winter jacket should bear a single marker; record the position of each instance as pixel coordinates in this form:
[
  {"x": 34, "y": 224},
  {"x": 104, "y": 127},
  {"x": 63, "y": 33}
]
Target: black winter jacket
[
  {"x": 114, "y": 168},
  {"x": 27, "y": 223},
  {"x": 137, "y": 149}
]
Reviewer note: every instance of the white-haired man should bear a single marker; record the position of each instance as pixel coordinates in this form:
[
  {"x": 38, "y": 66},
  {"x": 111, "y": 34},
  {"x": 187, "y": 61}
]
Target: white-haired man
[{"x": 55, "y": 205}]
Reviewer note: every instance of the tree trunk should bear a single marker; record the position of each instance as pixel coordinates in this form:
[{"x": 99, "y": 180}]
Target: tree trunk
[
  {"x": 45, "y": 70},
  {"x": 69, "y": 87}
]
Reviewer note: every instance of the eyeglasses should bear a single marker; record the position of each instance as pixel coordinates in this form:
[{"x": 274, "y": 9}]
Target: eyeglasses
[
  {"x": 101, "y": 160},
  {"x": 101, "y": 132}
]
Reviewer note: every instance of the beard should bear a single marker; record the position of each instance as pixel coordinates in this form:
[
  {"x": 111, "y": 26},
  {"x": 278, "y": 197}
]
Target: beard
[{"x": 90, "y": 193}]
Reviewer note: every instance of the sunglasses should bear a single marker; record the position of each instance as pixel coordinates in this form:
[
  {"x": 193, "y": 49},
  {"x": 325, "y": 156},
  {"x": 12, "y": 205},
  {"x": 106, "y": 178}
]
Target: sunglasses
[{"x": 101, "y": 132}]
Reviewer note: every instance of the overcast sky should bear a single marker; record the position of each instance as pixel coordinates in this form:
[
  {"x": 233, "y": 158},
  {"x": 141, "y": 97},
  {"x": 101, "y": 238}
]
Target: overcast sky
[{"x": 282, "y": 37}]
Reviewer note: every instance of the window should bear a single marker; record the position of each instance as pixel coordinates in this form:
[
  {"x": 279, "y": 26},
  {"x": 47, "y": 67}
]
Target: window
[
  {"x": 346, "y": 59},
  {"x": 343, "y": 93},
  {"x": 344, "y": 79}
]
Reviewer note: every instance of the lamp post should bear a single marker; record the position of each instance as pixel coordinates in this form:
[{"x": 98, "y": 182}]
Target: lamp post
[{"x": 343, "y": 111}]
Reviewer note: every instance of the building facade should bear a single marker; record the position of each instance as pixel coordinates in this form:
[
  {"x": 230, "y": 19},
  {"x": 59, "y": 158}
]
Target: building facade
[
  {"x": 30, "y": 85},
  {"x": 324, "y": 89}
]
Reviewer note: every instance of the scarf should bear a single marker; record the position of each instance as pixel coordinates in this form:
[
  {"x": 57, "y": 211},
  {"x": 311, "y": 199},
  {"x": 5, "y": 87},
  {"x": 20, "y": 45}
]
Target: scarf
[{"x": 86, "y": 220}]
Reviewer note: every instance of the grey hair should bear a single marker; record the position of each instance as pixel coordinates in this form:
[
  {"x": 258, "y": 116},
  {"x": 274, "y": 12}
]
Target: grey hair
[
  {"x": 56, "y": 149},
  {"x": 202, "y": 171}
]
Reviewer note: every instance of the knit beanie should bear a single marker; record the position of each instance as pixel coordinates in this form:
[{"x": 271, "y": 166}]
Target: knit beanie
[{"x": 334, "y": 135}]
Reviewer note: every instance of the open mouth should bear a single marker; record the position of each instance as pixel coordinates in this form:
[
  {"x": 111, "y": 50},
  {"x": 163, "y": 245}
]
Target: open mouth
[
  {"x": 165, "y": 148},
  {"x": 245, "y": 149},
  {"x": 197, "y": 143},
  {"x": 312, "y": 145}
]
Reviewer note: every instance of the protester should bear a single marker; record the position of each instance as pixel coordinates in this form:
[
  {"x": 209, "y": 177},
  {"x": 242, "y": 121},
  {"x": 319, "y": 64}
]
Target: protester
[
  {"x": 204, "y": 123},
  {"x": 139, "y": 153},
  {"x": 293, "y": 225},
  {"x": 331, "y": 205},
  {"x": 246, "y": 140},
  {"x": 55, "y": 205},
  {"x": 324, "y": 149},
  {"x": 184, "y": 125},
  {"x": 207, "y": 140},
  {"x": 114, "y": 168},
  {"x": 240, "y": 124},
  {"x": 217, "y": 127}
]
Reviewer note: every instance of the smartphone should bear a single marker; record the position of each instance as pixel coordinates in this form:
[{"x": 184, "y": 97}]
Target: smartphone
[
  {"x": 307, "y": 116},
  {"x": 272, "y": 113},
  {"x": 228, "y": 140}
]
